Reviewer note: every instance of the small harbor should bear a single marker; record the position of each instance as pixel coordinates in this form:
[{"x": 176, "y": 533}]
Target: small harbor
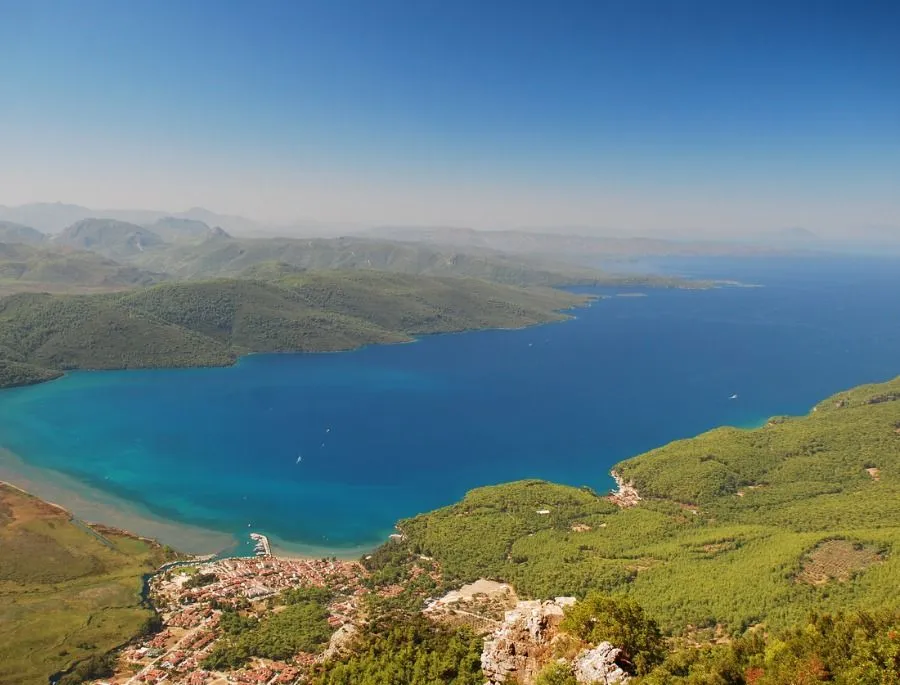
[{"x": 261, "y": 547}]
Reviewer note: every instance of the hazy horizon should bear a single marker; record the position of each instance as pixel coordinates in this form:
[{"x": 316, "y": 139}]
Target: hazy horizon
[
  {"x": 713, "y": 120},
  {"x": 49, "y": 217}
]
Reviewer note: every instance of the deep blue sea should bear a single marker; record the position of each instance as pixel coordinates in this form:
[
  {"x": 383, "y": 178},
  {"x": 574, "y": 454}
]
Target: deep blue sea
[{"x": 329, "y": 450}]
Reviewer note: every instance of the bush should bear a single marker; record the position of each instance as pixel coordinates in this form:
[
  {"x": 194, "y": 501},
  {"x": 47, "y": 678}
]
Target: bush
[
  {"x": 620, "y": 621},
  {"x": 846, "y": 649},
  {"x": 200, "y": 579},
  {"x": 557, "y": 673}
]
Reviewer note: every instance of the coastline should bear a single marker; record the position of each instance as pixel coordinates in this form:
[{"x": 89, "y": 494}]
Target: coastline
[
  {"x": 557, "y": 315},
  {"x": 90, "y": 503},
  {"x": 300, "y": 551},
  {"x": 93, "y": 505}
]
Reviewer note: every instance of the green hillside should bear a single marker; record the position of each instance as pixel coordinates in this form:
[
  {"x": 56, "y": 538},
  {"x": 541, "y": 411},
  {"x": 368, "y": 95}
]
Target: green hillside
[
  {"x": 224, "y": 256},
  {"x": 111, "y": 238},
  {"x": 210, "y": 323},
  {"x": 67, "y": 591},
  {"x": 180, "y": 230},
  {"x": 108, "y": 254},
  {"x": 18, "y": 233},
  {"x": 13, "y": 374},
  {"x": 737, "y": 527},
  {"x": 49, "y": 267}
]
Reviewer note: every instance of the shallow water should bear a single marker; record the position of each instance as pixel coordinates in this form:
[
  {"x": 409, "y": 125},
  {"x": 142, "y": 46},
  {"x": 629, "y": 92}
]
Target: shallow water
[{"x": 387, "y": 432}]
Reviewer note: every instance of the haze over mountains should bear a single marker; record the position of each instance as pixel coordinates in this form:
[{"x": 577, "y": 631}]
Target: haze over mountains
[
  {"x": 174, "y": 226},
  {"x": 53, "y": 217},
  {"x": 108, "y": 253},
  {"x": 56, "y": 247}
]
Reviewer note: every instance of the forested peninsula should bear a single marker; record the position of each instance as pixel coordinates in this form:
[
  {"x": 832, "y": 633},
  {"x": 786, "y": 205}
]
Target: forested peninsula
[
  {"x": 732, "y": 528},
  {"x": 764, "y": 556},
  {"x": 211, "y": 323}
]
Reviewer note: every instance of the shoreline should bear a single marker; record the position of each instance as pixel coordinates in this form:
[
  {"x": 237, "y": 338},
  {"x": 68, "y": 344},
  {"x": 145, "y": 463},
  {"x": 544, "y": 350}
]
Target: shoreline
[
  {"x": 558, "y": 315},
  {"x": 92, "y": 505}
]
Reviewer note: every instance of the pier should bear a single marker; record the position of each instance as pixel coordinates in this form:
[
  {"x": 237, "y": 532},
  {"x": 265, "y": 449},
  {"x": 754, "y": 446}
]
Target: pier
[{"x": 262, "y": 548}]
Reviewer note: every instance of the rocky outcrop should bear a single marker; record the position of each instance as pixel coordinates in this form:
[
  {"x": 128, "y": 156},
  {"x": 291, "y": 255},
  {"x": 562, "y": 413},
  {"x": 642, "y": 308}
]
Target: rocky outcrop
[
  {"x": 520, "y": 647},
  {"x": 598, "y": 665},
  {"x": 340, "y": 641},
  {"x": 625, "y": 495}
]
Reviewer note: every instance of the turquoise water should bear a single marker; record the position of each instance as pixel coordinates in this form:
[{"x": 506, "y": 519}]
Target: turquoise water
[{"x": 386, "y": 432}]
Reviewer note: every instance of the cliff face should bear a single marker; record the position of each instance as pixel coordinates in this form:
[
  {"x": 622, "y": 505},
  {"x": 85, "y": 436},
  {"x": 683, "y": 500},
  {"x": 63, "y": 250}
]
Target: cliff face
[
  {"x": 625, "y": 495},
  {"x": 599, "y": 665},
  {"x": 517, "y": 651},
  {"x": 529, "y": 639}
]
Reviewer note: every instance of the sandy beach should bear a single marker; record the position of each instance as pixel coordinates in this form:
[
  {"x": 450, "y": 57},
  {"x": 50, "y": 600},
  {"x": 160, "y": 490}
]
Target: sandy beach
[{"x": 91, "y": 504}]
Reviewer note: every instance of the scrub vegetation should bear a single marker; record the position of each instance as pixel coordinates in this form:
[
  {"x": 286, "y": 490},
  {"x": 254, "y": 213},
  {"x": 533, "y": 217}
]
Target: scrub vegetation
[{"x": 68, "y": 592}]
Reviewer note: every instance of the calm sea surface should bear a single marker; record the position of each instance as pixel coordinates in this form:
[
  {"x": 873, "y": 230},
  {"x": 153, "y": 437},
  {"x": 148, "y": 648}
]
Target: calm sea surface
[{"x": 329, "y": 450}]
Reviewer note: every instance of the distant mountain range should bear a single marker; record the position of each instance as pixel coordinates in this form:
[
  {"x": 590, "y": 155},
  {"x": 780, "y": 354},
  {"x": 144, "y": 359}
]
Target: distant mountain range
[
  {"x": 140, "y": 247},
  {"x": 176, "y": 229},
  {"x": 98, "y": 252},
  {"x": 109, "y": 237},
  {"x": 565, "y": 241},
  {"x": 54, "y": 217},
  {"x": 225, "y": 256},
  {"x": 39, "y": 267},
  {"x": 579, "y": 247},
  {"x": 17, "y": 233}
]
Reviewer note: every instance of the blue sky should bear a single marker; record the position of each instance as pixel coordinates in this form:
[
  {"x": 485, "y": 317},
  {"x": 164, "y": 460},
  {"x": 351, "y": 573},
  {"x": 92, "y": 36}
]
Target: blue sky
[{"x": 725, "y": 116}]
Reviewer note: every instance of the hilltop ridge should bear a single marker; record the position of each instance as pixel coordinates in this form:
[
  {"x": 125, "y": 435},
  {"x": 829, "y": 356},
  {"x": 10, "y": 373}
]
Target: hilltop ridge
[{"x": 182, "y": 248}]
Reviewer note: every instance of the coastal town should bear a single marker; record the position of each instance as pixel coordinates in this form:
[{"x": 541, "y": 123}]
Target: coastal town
[{"x": 192, "y": 599}]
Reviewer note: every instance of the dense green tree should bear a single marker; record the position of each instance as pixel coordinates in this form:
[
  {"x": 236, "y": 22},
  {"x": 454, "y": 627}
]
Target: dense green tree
[
  {"x": 413, "y": 651},
  {"x": 200, "y": 579},
  {"x": 620, "y": 621},
  {"x": 302, "y": 626},
  {"x": 211, "y": 323},
  {"x": 847, "y": 649},
  {"x": 98, "y": 666}
]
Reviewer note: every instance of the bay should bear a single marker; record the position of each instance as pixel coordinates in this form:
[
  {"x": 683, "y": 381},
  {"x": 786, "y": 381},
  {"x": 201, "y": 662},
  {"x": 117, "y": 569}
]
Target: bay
[{"x": 324, "y": 452}]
